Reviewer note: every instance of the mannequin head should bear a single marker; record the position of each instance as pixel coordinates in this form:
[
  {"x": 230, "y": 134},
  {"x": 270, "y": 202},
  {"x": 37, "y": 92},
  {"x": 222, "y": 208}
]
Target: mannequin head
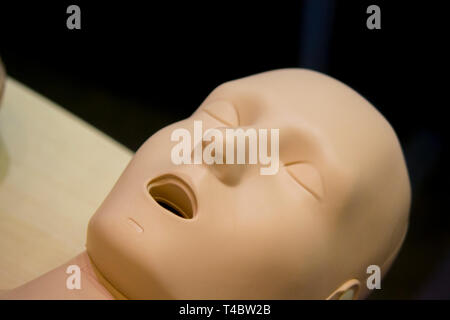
[{"x": 338, "y": 203}]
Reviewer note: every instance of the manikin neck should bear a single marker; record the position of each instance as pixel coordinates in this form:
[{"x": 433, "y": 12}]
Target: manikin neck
[{"x": 58, "y": 284}]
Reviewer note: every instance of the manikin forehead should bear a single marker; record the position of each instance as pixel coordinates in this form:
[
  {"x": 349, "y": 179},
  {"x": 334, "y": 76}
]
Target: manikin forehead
[
  {"x": 329, "y": 114},
  {"x": 321, "y": 121},
  {"x": 326, "y": 123}
]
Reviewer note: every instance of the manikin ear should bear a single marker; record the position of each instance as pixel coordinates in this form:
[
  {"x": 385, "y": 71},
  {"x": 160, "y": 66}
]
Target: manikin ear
[{"x": 347, "y": 291}]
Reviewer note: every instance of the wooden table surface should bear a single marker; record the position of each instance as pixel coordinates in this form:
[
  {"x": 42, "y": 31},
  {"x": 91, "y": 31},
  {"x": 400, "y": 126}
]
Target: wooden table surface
[{"x": 55, "y": 170}]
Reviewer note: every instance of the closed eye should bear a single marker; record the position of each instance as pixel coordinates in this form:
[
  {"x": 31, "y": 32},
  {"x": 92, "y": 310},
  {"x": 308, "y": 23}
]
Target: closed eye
[
  {"x": 222, "y": 111},
  {"x": 306, "y": 175}
]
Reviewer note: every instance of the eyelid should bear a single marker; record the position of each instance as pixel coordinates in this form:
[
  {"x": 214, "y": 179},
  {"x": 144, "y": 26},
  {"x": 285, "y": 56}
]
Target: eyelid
[
  {"x": 222, "y": 111},
  {"x": 306, "y": 175},
  {"x": 226, "y": 123}
]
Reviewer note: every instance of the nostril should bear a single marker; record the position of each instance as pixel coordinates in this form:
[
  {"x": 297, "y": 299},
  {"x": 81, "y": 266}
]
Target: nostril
[{"x": 174, "y": 195}]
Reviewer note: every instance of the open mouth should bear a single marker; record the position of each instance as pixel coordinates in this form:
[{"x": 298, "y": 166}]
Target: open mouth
[{"x": 174, "y": 195}]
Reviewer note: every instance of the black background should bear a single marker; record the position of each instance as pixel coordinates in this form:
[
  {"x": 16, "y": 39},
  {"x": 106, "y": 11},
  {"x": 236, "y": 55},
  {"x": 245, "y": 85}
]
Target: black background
[{"x": 134, "y": 68}]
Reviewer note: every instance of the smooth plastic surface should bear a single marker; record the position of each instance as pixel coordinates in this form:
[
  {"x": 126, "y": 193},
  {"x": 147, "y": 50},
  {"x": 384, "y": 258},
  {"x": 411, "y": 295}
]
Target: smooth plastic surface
[{"x": 339, "y": 202}]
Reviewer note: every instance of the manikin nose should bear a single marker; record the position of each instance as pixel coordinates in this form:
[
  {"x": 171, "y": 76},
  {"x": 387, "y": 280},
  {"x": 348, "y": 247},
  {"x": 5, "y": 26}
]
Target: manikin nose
[
  {"x": 223, "y": 163},
  {"x": 173, "y": 191}
]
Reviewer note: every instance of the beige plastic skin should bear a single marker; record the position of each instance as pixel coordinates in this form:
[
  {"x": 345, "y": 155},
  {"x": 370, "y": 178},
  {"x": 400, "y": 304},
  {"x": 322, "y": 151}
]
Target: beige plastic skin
[
  {"x": 339, "y": 202},
  {"x": 52, "y": 285}
]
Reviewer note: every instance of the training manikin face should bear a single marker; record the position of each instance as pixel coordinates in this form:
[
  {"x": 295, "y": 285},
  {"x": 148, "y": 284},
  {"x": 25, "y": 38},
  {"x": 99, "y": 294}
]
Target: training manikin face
[{"x": 338, "y": 203}]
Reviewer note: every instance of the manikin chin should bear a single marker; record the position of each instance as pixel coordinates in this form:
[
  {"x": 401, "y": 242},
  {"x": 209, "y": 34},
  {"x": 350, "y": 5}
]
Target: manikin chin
[{"x": 335, "y": 201}]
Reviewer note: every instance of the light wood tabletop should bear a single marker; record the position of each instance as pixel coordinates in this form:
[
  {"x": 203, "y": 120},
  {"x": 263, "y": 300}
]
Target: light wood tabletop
[{"x": 55, "y": 170}]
